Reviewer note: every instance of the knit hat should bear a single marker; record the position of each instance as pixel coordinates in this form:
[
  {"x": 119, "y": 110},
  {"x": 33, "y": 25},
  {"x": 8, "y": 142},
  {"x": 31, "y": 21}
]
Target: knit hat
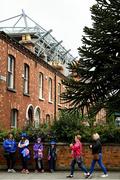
[{"x": 24, "y": 135}]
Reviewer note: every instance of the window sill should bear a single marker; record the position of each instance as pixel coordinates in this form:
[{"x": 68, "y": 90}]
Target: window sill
[
  {"x": 59, "y": 105},
  {"x": 41, "y": 99},
  {"x": 12, "y": 90},
  {"x": 51, "y": 102},
  {"x": 28, "y": 95}
]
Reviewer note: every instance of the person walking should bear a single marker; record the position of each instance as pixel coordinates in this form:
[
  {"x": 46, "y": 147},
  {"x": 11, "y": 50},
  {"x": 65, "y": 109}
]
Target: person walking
[
  {"x": 24, "y": 152},
  {"x": 97, "y": 156},
  {"x": 38, "y": 155},
  {"x": 77, "y": 156},
  {"x": 10, "y": 147},
  {"x": 52, "y": 156}
]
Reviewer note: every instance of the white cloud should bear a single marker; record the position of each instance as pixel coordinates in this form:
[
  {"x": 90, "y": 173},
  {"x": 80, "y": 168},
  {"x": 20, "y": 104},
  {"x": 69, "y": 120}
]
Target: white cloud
[{"x": 66, "y": 17}]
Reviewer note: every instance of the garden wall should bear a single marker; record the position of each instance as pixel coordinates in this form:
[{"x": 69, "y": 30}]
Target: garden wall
[{"x": 111, "y": 157}]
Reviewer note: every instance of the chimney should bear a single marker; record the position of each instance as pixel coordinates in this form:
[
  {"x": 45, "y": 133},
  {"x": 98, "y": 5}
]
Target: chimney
[
  {"x": 27, "y": 42},
  {"x": 58, "y": 65}
]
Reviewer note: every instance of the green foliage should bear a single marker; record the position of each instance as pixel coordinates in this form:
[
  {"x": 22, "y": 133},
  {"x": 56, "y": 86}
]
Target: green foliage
[{"x": 66, "y": 127}]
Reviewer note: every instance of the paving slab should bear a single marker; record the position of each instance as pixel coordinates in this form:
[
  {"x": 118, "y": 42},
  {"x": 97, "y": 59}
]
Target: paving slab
[{"x": 56, "y": 175}]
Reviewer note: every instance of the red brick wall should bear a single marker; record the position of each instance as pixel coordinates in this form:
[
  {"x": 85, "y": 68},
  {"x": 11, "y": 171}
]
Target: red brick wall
[
  {"x": 17, "y": 100},
  {"x": 111, "y": 157}
]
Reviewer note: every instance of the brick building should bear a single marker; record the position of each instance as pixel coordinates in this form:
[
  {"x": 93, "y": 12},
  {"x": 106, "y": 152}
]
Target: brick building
[{"x": 29, "y": 87}]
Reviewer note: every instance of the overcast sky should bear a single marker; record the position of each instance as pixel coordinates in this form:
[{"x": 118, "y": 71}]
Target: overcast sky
[{"x": 65, "y": 17}]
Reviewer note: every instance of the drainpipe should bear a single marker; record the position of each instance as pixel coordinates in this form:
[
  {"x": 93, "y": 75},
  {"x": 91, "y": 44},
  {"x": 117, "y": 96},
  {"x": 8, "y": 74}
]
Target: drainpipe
[{"x": 55, "y": 96}]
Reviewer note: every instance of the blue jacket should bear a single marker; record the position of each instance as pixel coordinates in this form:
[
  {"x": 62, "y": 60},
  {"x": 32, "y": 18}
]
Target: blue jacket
[{"x": 9, "y": 145}]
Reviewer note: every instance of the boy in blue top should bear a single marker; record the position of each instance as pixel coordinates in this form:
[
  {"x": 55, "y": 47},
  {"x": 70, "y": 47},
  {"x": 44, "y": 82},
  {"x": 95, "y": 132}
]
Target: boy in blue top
[{"x": 10, "y": 147}]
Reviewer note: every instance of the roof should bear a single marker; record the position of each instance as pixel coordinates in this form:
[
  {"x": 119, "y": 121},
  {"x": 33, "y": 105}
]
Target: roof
[{"x": 28, "y": 53}]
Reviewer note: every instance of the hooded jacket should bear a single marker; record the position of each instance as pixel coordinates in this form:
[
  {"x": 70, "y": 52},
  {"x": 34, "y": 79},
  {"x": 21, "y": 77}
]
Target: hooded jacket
[{"x": 9, "y": 145}]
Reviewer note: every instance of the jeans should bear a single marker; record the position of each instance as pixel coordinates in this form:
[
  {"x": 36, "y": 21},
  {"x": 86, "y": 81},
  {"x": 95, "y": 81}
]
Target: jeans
[
  {"x": 100, "y": 164},
  {"x": 52, "y": 163},
  {"x": 38, "y": 164},
  {"x": 80, "y": 165}
]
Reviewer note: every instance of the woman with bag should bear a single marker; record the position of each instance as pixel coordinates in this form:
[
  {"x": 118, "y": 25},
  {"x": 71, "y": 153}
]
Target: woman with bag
[
  {"x": 77, "y": 156},
  {"x": 10, "y": 147},
  {"x": 97, "y": 155}
]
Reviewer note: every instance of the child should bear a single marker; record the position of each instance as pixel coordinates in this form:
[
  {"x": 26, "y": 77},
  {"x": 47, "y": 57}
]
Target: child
[
  {"x": 52, "y": 156},
  {"x": 24, "y": 152},
  {"x": 38, "y": 155},
  {"x": 10, "y": 147}
]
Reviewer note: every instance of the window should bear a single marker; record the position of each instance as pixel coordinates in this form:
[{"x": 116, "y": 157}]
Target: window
[
  {"x": 50, "y": 90},
  {"x": 59, "y": 93},
  {"x": 40, "y": 85},
  {"x": 37, "y": 118},
  {"x": 11, "y": 72},
  {"x": 14, "y": 117},
  {"x": 26, "y": 79},
  {"x": 117, "y": 121},
  {"x": 48, "y": 119}
]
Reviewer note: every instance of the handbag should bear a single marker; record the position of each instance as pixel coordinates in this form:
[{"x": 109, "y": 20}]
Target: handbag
[
  {"x": 95, "y": 156},
  {"x": 79, "y": 160}
]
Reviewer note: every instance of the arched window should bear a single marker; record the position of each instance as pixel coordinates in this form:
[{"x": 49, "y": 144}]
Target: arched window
[
  {"x": 37, "y": 117},
  {"x": 11, "y": 72},
  {"x": 29, "y": 115},
  {"x": 48, "y": 119}
]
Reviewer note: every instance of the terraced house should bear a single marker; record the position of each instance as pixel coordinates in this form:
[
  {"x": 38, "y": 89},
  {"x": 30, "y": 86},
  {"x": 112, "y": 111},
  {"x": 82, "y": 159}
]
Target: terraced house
[{"x": 32, "y": 65}]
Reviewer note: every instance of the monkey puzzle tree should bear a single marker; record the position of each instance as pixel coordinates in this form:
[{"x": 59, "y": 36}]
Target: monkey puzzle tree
[{"x": 97, "y": 82}]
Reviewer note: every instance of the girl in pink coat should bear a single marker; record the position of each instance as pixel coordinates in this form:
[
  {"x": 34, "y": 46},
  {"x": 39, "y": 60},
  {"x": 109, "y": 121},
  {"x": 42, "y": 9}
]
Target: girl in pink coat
[{"x": 77, "y": 156}]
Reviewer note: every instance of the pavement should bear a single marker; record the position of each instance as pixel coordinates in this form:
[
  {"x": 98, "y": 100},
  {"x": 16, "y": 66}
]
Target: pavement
[{"x": 56, "y": 175}]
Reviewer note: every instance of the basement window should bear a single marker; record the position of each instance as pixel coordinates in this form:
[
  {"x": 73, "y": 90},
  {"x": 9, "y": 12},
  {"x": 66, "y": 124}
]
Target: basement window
[{"x": 14, "y": 118}]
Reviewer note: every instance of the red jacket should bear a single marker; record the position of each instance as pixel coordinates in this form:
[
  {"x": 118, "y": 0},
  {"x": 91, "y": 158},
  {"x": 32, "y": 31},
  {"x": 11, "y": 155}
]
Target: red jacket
[{"x": 76, "y": 149}]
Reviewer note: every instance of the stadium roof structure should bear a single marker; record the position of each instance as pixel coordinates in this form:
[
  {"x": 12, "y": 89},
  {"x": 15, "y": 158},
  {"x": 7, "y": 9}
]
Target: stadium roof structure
[{"x": 43, "y": 41}]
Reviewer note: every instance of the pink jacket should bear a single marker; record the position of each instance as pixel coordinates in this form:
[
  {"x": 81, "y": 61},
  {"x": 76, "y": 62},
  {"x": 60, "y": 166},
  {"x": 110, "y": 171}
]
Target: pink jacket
[{"x": 76, "y": 149}]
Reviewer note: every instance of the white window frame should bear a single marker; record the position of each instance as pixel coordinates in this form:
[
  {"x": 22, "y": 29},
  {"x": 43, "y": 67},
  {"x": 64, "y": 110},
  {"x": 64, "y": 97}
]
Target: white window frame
[
  {"x": 14, "y": 118},
  {"x": 59, "y": 93},
  {"x": 50, "y": 89},
  {"x": 37, "y": 118},
  {"x": 40, "y": 85},
  {"x": 26, "y": 79},
  {"x": 11, "y": 72}
]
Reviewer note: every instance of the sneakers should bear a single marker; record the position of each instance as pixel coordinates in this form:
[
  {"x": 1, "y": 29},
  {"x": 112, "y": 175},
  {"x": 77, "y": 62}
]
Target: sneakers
[
  {"x": 13, "y": 171},
  {"x": 88, "y": 176},
  {"x": 104, "y": 175},
  {"x": 69, "y": 176},
  {"x": 27, "y": 172},
  {"x": 9, "y": 171},
  {"x": 23, "y": 171}
]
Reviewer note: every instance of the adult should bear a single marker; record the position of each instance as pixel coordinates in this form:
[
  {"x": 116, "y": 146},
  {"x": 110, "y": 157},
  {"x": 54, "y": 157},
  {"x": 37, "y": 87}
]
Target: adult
[
  {"x": 77, "y": 156},
  {"x": 9, "y": 145},
  {"x": 97, "y": 155}
]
